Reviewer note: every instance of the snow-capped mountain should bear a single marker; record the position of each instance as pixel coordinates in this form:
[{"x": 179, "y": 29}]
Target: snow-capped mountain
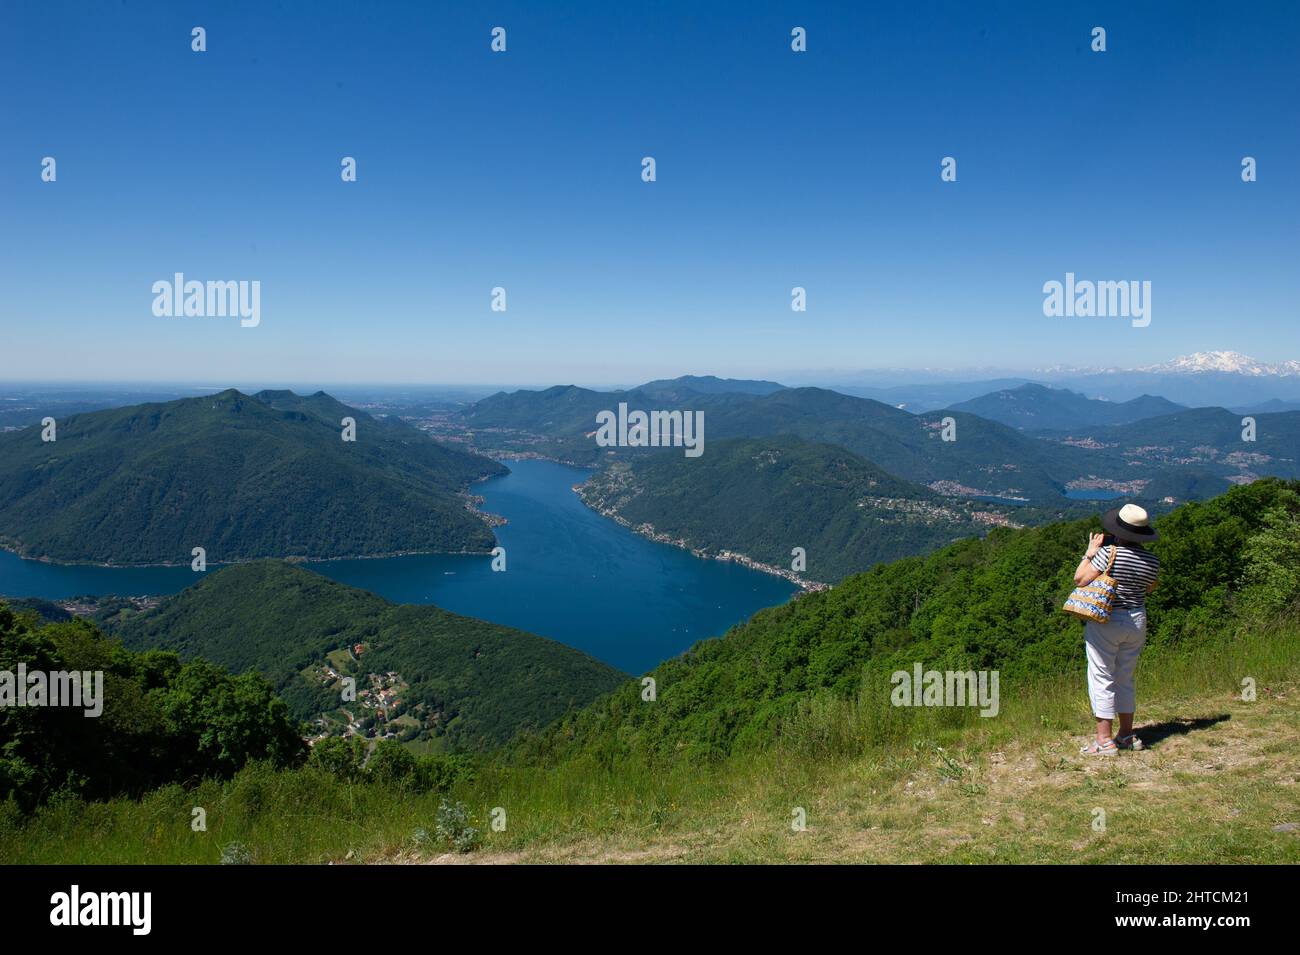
[{"x": 1224, "y": 362}]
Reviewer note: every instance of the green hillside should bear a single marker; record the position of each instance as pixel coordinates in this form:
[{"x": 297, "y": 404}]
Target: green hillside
[
  {"x": 243, "y": 477},
  {"x": 987, "y": 457},
  {"x": 1187, "y": 455},
  {"x": 1211, "y": 438},
  {"x": 978, "y": 604},
  {"x": 762, "y": 497},
  {"x": 160, "y": 721},
  {"x": 1035, "y": 407},
  {"x": 470, "y": 683},
  {"x": 1190, "y": 454}
]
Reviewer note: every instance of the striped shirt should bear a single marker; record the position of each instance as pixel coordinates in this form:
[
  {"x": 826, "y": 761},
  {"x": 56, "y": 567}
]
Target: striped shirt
[{"x": 1134, "y": 571}]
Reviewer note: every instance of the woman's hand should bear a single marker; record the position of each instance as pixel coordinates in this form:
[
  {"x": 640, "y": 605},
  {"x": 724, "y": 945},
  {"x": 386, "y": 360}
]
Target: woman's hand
[{"x": 1094, "y": 545}]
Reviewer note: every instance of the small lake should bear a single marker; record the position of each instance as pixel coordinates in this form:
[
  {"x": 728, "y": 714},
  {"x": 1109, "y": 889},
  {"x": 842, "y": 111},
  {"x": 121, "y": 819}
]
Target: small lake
[
  {"x": 1093, "y": 494},
  {"x": 571, "y": 575}
]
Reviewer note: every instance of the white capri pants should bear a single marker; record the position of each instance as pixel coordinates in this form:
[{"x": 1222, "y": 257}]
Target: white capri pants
[{"x": 1113, "y": 649}]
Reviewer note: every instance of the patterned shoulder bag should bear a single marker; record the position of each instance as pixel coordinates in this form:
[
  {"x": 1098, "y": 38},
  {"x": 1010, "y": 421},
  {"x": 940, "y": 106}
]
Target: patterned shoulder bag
[{"x": 1095, "y": 600}]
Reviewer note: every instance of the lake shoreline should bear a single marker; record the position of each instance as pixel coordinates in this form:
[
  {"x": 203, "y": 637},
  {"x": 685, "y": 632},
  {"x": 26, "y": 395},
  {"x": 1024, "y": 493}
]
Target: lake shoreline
[
  {"x": 472, "y": 501},
  {"x": 650, "y": 533},
  {"x": 248, "y": 560},
  {"x": 573, "y": 577},
  {"x": 501, "y": 457}
]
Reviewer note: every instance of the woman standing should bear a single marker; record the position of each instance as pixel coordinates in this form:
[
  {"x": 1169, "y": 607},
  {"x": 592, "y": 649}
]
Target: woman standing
[{"x": 1113, "y": 647}]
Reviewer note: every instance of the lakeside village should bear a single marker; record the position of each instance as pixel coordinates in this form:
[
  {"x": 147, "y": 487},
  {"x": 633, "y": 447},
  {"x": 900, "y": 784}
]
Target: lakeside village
[
  {"x": 380, "y": 710},
  {"x": 598, "y": 499},
  {"x": 87, "y": 606},
  {"x": 585, "y": 492}
]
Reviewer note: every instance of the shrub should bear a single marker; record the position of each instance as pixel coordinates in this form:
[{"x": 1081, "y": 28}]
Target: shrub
[
  {"x": 392, "y": 763},
  {"x": 342, "y": 757},
  {"x": 453, "y": 827}
]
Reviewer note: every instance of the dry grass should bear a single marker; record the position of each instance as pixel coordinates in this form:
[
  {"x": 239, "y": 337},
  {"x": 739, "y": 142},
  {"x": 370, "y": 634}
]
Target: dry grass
[{"x": 1219, "y": 775}]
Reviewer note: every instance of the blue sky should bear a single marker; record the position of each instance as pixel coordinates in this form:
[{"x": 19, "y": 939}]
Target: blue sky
[{"x": 522, "y": 170}]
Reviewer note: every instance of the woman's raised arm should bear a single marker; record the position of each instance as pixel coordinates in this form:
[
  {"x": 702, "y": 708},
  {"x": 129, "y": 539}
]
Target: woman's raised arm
[{"x": 1085, "y": 573}]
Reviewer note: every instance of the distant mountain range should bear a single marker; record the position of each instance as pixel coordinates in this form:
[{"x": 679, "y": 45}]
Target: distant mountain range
[
  {"x": 242, "y": 476},
  {"x": 762, "y": 496},
  {"x": 855, "y": 481},
  {"x": 268, "y": 475},
  {"x": 464, "y": 683},
  {"x": 1269, "y": 407},
  {"x": 1224, "y": 378},
  {"x": 1077, "y": 444},
  {"x": 1224, "y": 362},
  {"x": 1205, "y": 438},
  {"x": 987, "y": 458},
  {"x": 1034, "y": 407},
  {"x": 710, "y": 385}
]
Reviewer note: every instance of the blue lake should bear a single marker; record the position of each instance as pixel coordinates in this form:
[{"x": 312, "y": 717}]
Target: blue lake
[
  {"x": 1093, "y": 494},
  {"x": 571, "y": 575}
]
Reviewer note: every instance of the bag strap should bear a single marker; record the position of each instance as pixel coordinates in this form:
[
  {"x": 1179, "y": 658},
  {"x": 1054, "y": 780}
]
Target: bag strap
[{"x": 1114, "y": 549}]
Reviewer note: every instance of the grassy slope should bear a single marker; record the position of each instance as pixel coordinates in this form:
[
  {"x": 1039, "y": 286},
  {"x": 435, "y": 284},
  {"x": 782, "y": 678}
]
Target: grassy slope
[
  {"x": 1219, "y": 775},
  {"x": 1011, "y": 789},
  {"x": 243, "y": 477}
]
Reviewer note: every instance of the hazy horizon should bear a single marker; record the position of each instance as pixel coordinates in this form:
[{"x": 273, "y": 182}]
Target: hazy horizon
[{"x": 884, "y": 375}]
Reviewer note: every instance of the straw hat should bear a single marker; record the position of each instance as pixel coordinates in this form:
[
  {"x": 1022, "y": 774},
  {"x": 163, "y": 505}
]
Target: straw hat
[{"x": 1130, "y": 523}]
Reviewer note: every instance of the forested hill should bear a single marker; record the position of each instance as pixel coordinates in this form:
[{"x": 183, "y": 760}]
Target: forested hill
[
  {"x": 978, "y": 604},
  {"x": 1191, "y": 453},
  {"x": 1035, "y": 407},
  {"x": 242, "y": 476},
  {"x": 469, "y": 684},
  {"x": 762, "y": 497},
  {"x": 988, "y": 457},
  {"x": 159, "y": 721}
]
